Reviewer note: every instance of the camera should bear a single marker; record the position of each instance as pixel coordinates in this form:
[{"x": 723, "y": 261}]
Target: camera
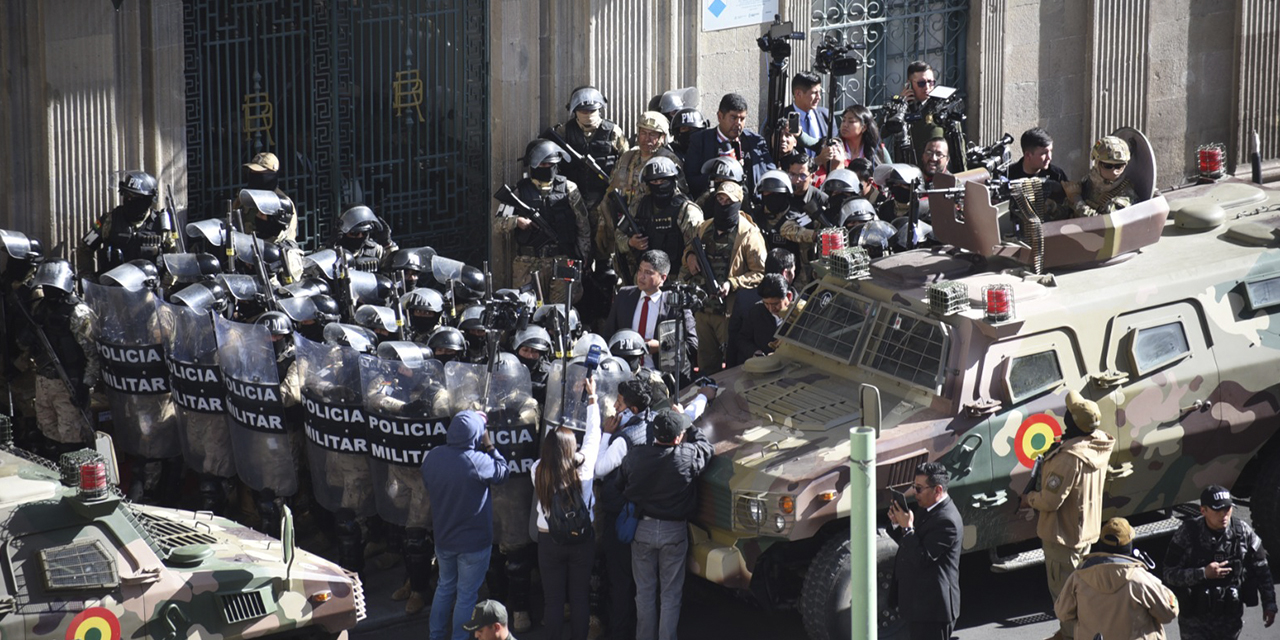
[
  {"x": 505, "y": 315},
  {"x": 836, "y": 57},
  {"x": 995, "y": 158},
  {"x": 775, "y": 43},
  {"x": 683, "y": 295}
]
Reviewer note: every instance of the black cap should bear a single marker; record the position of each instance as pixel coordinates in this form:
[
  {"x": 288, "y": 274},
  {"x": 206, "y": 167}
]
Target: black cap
[
  {"x": 1215, "y": 497},
  {"x": 487, "y": 612},
  {"x": 668, "y": 425}
]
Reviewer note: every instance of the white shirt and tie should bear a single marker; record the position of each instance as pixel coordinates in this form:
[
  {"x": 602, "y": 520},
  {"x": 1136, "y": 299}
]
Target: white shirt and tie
[{"x": 645, "y": 320}]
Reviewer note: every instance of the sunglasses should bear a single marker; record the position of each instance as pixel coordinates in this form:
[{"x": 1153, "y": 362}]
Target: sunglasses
[
  {"x": 1114, "y": 166},
  {"x": 926, "y": 83}
]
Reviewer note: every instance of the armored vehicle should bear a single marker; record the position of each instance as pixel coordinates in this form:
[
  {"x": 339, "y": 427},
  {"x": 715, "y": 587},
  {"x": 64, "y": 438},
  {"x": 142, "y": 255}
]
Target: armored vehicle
[
  {"x": 1166, "y": 313},
  {"x": 80, "y": 562}
]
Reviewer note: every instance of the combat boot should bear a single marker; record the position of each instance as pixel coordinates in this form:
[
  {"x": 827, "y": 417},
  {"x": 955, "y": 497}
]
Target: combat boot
[
  {"x": 403, "y": 592},
  {"x": 350, "y": 542},
  {"x": 416, "y": 602}
]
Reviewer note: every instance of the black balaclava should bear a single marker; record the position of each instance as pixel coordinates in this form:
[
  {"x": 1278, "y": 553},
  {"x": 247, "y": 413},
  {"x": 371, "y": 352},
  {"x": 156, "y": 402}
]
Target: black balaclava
[
  {"x": 776, "y": 203},
  {"x": 543, "y": 174},
  {"x": 263, "y": 180},
  {"x": 136, "y": 208},
  {"x": 268, "y": 228},
  {"x": 663, "y": 190},
  {"x": 352, "y": 243},
  {"x": 726, "y": 216}
]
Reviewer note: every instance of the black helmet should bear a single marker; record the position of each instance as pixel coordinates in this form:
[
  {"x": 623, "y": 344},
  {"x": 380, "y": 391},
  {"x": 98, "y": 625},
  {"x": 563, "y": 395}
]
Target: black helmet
[
  {"x": 585, "y": 98},
  {"x": 855, "y": 211},
  {"x": 190, "y": 267},
  {"x": 540, "y": 151},
  {"x": 417, "y": 259},
  {"x": 19, "y": 246},
  {"x": 350, "y": 335},
  {"x": 659, "y": 167},
  {"x": 543, "y": 316},
  {"x": 55, "y": 274},
  {"x": 842, "y": 181},
  {"x": 447, "y": 338},
  {"x": 275, "y": 322},
  {"x": 774, "y": 181},
  {"x": 627, "y": 344},
  {"x": 327, "y": 309},
  {"x": 534, "y": 337},
  {"x": 307, "y": 287},
  {"x": 470, "y": 285},
  {"x": 357, "y": 219},
  {"x": 268, "y": 203},
  {"x": 723, "y": 168},
  {"x": 272, "y": 256},
  {"x": 139, "y": 184},
  {"x": 688, "y": 118},
  {"x": 472, "y": 318},
  {"x": 376, "y": 318},
  {"x": 203, "y": 296},
  {"x": 423, "y": 299}
]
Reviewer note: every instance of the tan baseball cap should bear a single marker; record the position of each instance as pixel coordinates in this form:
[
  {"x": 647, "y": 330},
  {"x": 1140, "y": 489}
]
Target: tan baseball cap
[
  {"x": 1116, "y": 532},
  {"x": 264, "y": 161},
  {"x": 732, "y": 189}
]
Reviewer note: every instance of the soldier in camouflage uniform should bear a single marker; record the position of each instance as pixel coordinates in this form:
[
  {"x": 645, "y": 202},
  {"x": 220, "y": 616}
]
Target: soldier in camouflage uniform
[
  {"x": 67, "y": 324},
  {"x": 736, "y": 250},
  {"x": 591, "y": 134},
  {"x": 561, "y": 205},
  {"x": 666, "y": 215},
  {"x": 1106, "y": 190},
  {"x": 22, "y": 255},
  {"x": 1069, "y": 500},
  {"x": 652, "y": 134},
  {"x": 1217, "y": 566},
  {"x": 263, "y": 173}
]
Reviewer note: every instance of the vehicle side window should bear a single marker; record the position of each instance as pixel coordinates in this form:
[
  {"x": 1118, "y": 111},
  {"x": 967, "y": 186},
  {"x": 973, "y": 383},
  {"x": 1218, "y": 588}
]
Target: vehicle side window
[
  {"x": 1154, "y": 347},
  {"x": 1263, "y": 293},
  {"x": 1031, "y": 374}
]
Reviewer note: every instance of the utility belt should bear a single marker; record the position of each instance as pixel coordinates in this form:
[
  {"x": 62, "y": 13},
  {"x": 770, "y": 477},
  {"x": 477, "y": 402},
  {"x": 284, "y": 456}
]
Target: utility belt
[
  {"x": 1216, "y": 601},
  {"x": 548, "y": 250}
]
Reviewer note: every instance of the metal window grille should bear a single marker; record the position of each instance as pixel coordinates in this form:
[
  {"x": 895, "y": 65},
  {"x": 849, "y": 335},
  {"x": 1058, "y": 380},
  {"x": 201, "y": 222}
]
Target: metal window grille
[
  {"x": 895, "y": 33},
  {"x": 907, "y": 348}
]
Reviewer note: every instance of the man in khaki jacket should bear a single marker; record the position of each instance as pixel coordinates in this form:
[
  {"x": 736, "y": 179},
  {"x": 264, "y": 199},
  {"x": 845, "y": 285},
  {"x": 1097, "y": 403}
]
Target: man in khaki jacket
[
  {"x": 1114, "y": 594},
  {"x": 736, "y": 251},
  {"x": 1069, "y": 498}
]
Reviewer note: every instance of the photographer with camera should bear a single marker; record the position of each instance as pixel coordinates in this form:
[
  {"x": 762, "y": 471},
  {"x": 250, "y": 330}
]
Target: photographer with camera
[
  {"x": 1216, "y": 565},
  {"x": 731, "y": 138}
]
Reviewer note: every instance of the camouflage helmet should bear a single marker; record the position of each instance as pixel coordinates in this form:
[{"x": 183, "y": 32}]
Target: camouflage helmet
[
  {"x": 774, "y": 181},
  {"x": 424, "y": 299},
  {"x": 275, "y": 322},
  {"x": 722, "y": 169},
  {"x": 689, "y": 118},
  {"x": 139, "y": 184},
  {"x": 1111, "y": 149},
  {"x": 540, "y": 151},
  {"x": 627, "y": 344},
  {"x": 841, "y": 181},
  {"x": 534, "y": 337},
  {"x": 55, "y": 274},
  {"x": 587, "y": 99},
  {"x": 659, "y": 167},
  {"x": 357, "y": 219},
  {"x": 654, "y": 121},
  {"x": 376, "y": 317}
]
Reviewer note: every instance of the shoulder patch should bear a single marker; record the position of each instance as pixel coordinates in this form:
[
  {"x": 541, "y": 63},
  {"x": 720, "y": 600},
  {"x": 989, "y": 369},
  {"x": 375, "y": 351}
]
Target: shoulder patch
[{"x": 1054, "y": 482}]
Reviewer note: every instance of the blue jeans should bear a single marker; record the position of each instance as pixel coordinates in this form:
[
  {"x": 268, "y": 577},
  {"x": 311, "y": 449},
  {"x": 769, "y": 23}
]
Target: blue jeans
[
  {"x": 658, "y": 557},
  {"x": 461, "y": 575}
]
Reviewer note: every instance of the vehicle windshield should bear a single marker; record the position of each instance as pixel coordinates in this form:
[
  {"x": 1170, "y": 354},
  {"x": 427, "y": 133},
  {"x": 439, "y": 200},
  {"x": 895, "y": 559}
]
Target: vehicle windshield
[{"x": 849, "y": 328}]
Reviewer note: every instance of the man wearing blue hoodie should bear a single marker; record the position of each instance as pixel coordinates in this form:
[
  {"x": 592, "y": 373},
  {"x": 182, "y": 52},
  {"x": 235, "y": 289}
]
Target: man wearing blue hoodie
[{"x": 458, "y": 476}]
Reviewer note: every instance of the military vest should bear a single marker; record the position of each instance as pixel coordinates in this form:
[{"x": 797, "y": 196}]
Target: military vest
[
  {"x": 598, "y": 145},
  {"x": 55, "y": 319},
  {"x": 125, "y": 241},
  {"x": 554, "y": 206},
  {"x": 662, "y": 224}
]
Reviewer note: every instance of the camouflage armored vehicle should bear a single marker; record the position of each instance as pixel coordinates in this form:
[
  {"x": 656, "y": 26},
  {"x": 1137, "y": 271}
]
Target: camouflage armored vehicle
[
  {"x": 80, "y": 562},
  {"x": 1167, "y": 313}
]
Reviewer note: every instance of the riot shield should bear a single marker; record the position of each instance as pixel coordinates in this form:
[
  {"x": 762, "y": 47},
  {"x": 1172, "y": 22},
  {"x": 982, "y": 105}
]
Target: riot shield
[
  {"x": 198, "y": 391},
  {"x": 574, "y": 414},
  {"x": 337, "y": 447},
  {"x": 264, "y": 453},
  {"x": 131, "y": 348},
  {"x": 407, "y": 409}
]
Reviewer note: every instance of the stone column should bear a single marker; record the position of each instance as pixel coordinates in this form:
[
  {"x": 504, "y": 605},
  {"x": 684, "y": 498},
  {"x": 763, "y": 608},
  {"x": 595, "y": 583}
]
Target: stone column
[
  {"x": 1118, "y": 61},
  {"x": 1258, "y": 93}
]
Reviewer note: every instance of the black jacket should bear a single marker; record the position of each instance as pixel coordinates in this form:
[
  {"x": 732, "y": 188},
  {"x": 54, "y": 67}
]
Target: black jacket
[
  {"x": 927, "y": 567},
  {"x": 624, "y": 309},
  {"x": 704, "y": 145},
  {"x": 755, "y": 334},
  {"x": 662, "y": 479}
]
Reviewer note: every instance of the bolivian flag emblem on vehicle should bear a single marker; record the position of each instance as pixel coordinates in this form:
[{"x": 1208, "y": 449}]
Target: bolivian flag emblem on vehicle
[
  {"x": 95, "y": 623},
  {"x": 1035, "y": 435}
]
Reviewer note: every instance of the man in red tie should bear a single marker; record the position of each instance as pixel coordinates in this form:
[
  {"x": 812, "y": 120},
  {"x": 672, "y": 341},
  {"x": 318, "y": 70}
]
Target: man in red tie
[{"x": 641, "y": 308}]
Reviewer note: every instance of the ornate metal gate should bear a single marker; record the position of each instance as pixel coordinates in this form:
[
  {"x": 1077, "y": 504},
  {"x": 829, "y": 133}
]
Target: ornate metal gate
[
  {"x": 376, "y": 102},
  {"x": 895, "y": 32}
]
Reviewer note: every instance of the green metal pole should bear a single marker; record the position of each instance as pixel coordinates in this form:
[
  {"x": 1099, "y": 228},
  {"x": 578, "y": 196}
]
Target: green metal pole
[{"x": 862, "y": 531}]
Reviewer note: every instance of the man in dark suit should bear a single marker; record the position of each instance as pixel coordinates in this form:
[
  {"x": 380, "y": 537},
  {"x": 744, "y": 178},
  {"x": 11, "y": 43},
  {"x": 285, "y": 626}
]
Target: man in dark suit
[
  {"x": 729, "y": 138},
  {"x": 927, "y": 568},
  {"x": 642, "y": 307},
  {"x": 755, "y": 336},
  {"x": 815, "y": 120}
]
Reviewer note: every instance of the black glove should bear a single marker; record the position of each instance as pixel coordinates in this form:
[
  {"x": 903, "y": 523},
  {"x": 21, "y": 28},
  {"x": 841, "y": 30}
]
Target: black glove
[{"x": 415, "y": 407}]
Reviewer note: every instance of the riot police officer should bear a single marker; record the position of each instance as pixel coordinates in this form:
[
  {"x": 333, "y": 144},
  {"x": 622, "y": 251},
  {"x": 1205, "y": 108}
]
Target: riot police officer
[
  {"x": 424, "y": 308},
  {"x": 473, "y": 331},
  {"x": 774, "y": 191},
  {"x": 22, "y": 255},
  {"x": 263, "y": 174},
  {"x": 565, "y": 229},
  {"x": 532, "y": 346},
  {"x": 590, "y": 133},
  {"x": 378, "y": 319},
  {"x": 448, "y": 344},
  {"x": 132, "y": 230},
  {"x": 667, "y": 216},
  {"x": 61, "y": 341},
  {"x": 630, "y": 346},
  {"x": 366, "y": 236},
  {"x": 1216, "y": 565},
  {"x": 685, "y": 123}
]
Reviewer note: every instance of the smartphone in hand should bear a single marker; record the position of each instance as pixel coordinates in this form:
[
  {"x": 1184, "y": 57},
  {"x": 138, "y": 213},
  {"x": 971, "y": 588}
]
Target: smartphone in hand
[{"x": 897, "y": 497}]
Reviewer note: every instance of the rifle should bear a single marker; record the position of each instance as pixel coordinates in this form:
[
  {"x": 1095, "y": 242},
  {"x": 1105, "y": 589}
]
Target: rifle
[
  {"x": 272, "y": 304},
  {"x": 625, "y": 216},
  {"x": 704, "y": 266},
  {"x": 228, "y": 238},
  {"x": 579, "y": 158},
  {"x": 62, "y": 373},
  {"x": 490, "y": 337},
  {"x": 169, "y": 218},
  {"x": 398, "y": 305},
  {"x": 508, "y": 197}
]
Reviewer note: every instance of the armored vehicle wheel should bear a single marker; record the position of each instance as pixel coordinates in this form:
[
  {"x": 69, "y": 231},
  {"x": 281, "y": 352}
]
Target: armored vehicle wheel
[
  {"x": 828, "y": 591},
  {"x": 1265, "y": 501}
]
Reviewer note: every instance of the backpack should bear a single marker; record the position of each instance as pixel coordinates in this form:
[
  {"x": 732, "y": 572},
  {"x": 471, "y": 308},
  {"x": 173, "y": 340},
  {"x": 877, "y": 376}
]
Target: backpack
[{"x": 569, "y": 520}]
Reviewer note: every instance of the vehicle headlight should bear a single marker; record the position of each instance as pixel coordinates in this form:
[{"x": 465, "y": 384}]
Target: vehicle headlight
[
  {"x": 755, "y": 511},
  {"x": 779, "y": 522}
]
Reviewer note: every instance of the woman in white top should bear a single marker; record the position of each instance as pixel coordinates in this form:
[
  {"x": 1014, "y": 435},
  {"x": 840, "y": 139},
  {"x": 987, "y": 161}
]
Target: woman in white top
[{"x": 562, "y": 476}]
